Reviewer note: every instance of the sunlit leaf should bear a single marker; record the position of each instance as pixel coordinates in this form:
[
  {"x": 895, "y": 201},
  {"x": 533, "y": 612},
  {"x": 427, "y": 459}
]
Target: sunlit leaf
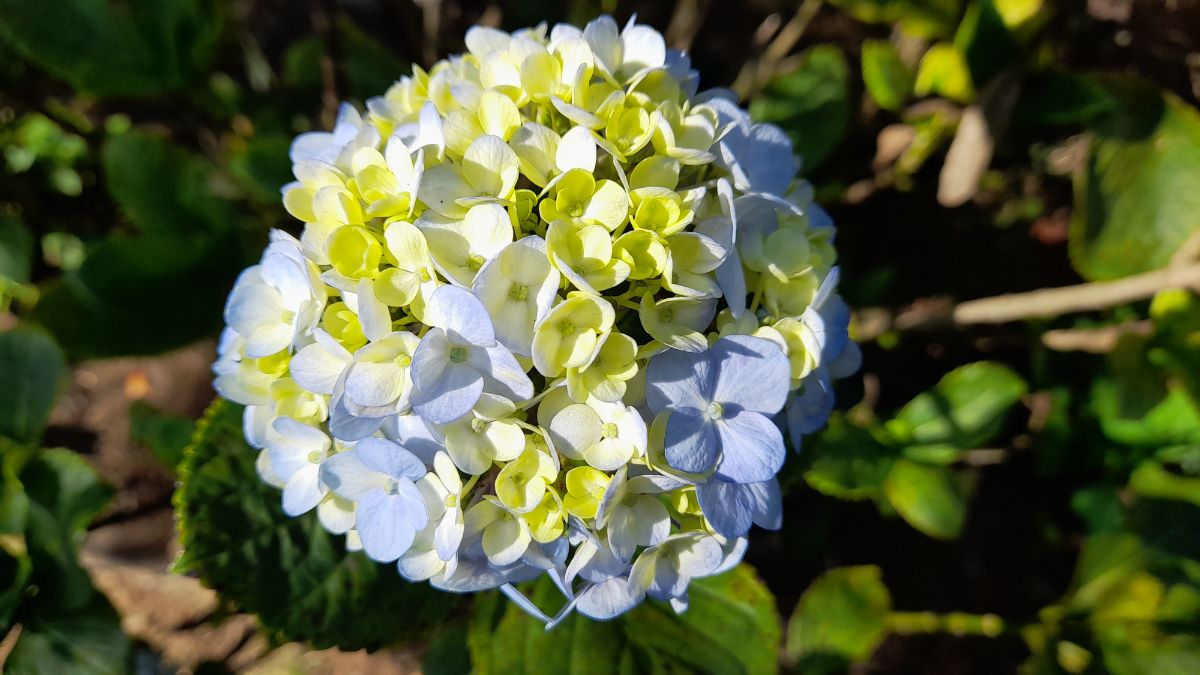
[
  {"x": 841, "y": 618},
  {"x": 1135, "y": 198},
  {"x": 965, "y": 409},
  {"x": 888, "y": 80},
  {"x": 931, "y": 498},
  {"x": 730, "y": 627}
]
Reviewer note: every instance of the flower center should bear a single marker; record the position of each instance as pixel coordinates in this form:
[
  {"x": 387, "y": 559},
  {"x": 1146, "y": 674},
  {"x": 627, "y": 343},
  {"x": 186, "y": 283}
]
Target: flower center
[
  {"x": 715, "y": 411},
  {"x": 609, "y": 430},
  {"x": 566, "y": 327},
  {"x": 478, "y": 425},
  {"x": 475, "y": 262},
  {"x": 667, "y": 315},
  {"x": 518, "y": 292},
  {"x": 403, "y": 360},
  {"x": 315, "y": 456},
  {"x": 391, "y": 487},
  {"x": 451, "y": 501},
  {"x": 458, "y": 354}
]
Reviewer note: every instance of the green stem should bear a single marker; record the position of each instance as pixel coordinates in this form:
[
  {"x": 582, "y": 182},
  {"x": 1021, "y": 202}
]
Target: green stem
[{"x": 955, "y": 623}]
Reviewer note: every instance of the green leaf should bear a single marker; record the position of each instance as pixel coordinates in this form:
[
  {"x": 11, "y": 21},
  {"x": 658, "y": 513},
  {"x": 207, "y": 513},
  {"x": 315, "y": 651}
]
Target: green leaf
[
  {"x": 921, "y": 18},
  {"x": 930, "y": 498},
  {"x": 1105, "y": 561},
  {"x": 67, "y": 625},
  {"x": 841, "y": 618},
  {"x": 965, "y": 409},
  {"x": 16, "y": 249},
  {"x": 985, "y": 41},
  {"x": 1135, "y": 198},
  {"x": 32, "y": 367},
  {"x": 163, "y": 189},
  {"x": 730, "y": 627},
  {"x": 888, "y": 80},
  {"x": 142, "y": 295},
  {"x": 65, "y": 495},
  {"x": 810, "y": 103},
  {"x": 1152, "y": 479},
  {"x": 943, "y": 71},
  {"x": 116, "y": 48},
  {"x": 298, "y": 578},
  {"x": 164, "y": 434},
  {"x": 848, "y": 463}
]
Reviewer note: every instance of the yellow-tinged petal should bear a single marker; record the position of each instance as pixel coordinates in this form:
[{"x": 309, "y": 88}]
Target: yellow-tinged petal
[
  {"x": 498, "y": 115},
  {"x": 354, "y": 252}
]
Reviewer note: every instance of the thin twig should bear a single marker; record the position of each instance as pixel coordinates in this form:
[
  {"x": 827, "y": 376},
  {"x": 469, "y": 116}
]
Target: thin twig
[
  {"x": 1050, "y": 302},
  {"x": 1100, "y": 340}
]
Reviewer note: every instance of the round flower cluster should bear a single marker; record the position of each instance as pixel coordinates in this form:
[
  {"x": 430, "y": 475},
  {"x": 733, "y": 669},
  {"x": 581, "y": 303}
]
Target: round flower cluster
[{"x": 549, "y": 313}]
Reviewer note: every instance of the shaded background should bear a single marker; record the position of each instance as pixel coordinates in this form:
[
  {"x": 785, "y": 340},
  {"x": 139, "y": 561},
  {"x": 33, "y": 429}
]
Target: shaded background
[{"x": 965, "y": 150}]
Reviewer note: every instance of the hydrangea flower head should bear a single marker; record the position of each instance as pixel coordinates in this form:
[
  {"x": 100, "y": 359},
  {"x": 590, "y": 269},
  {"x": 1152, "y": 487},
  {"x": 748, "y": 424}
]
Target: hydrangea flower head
[{"x": 550, "y": 310}]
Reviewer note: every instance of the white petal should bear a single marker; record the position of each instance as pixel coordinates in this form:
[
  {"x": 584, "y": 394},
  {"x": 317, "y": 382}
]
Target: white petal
[
  {"x": 303, "y": 491},
  {"x": 347, "y": 477},
  {"x": 576, "y": 150},
  {"x": 461, "y": 315}
]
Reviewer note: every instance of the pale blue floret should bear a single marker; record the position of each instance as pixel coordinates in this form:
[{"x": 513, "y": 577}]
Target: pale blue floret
[
  {"x": 721, "y": 402},
  {"x": 379, "y": 476}
]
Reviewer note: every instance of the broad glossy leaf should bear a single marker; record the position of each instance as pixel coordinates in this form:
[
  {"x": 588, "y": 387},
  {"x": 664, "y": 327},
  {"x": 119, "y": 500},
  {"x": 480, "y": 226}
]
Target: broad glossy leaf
[
  {"x": 298, "y": 578},
  {"x": 1135, "y": 197},
  {"x": 729, "y": 627},
  {"x": 810, "y": 103},
  {"x": 966, "y": 408},
  {"x": 931, "y": 498},
  {"x": 116, "y": 47},
  {"x": 32, "y": 367},
  {"x": 841, "y": 618}
]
